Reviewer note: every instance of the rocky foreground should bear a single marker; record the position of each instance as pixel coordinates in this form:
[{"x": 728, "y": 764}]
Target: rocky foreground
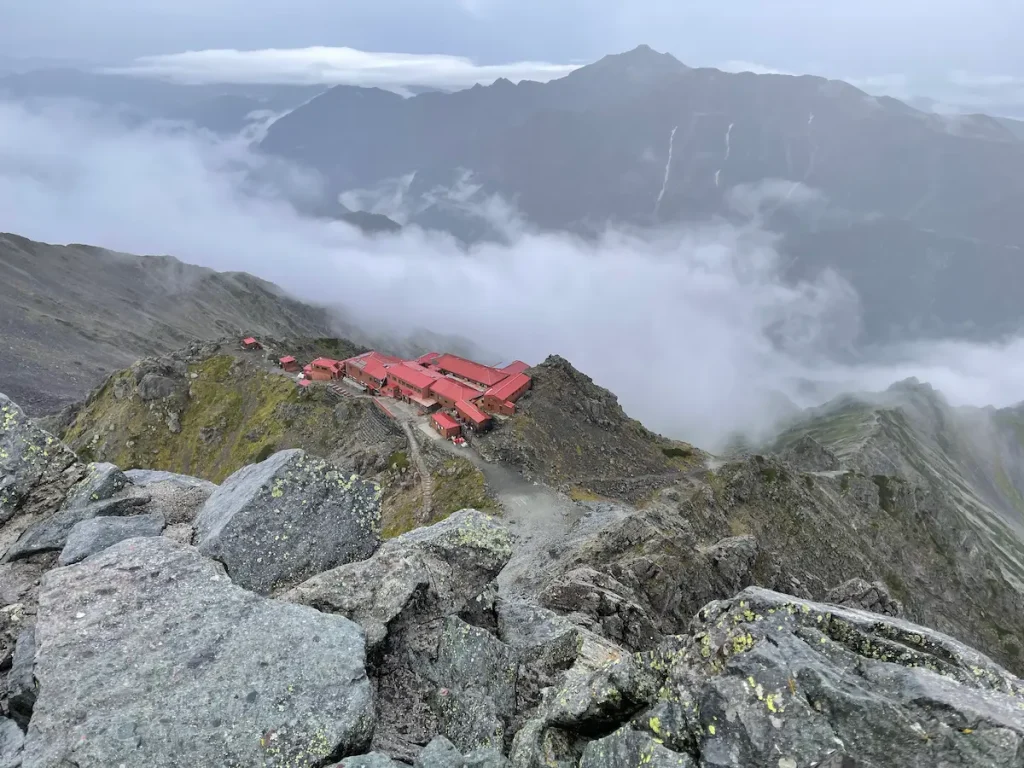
[{"x": 152, "y": 619}]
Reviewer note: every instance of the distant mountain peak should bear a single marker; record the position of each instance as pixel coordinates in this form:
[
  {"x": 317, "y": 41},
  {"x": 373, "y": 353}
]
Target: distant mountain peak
[{"x": 640, "y": 62}]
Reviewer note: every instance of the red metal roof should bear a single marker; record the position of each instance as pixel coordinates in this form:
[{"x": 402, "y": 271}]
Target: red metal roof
[
  {"x": 286, "y": 359},
  {"x": 516, "y": 366},
  {"x": 373, "y": 363},
  {"x": 249, "y": 340},
  {"x": 304, "y": 382},
  {"x": 508, "y": 387},
  {"x": 452, "y": 390},
  {"x": 467, "y": 369},
  {"x": 428, "y": 358},
  {"x": 445, "y": 421},
  {"x": 325, "y": 362},
  {"x": 471, "y": 412},
  {"x": 412, "y": 374}
]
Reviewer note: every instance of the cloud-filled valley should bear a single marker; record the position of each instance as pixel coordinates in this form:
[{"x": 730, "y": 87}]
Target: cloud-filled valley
[{"x": 693, "y": 328}]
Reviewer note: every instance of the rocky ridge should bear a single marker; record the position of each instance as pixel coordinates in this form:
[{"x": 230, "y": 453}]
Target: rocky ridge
[{"x": 644, "y": 644}]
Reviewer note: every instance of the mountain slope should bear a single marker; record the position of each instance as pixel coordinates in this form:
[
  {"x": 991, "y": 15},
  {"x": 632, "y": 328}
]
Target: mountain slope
[
  {"x": 639, "y": 139},
  {"x": 69, "y": 315}
]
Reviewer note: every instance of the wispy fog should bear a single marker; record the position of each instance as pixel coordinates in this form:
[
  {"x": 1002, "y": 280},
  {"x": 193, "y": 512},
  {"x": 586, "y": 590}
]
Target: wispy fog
[{"x": 693, "y": 328}]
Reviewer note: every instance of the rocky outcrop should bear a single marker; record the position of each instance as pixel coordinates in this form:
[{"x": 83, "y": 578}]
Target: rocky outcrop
[
  {"x": 36, "y": 472},
  {"x": 143, "y": 478},
  {"x": 567, "y": 429},
  {"x": 279, "y": 522},
  {"x": 21, "y": 684},
  {"x": 766, "y": 679},
  {"x": 218, "y": 663},
  {"x": 91, "y": 536},
  {"x": 808, "y": 455}
]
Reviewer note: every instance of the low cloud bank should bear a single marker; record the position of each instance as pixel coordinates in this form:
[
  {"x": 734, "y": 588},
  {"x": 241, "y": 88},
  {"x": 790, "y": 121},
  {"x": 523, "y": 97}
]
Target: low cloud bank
[
  {"x": 335, "y": 66},
  {"x": 692, "y": 328}
]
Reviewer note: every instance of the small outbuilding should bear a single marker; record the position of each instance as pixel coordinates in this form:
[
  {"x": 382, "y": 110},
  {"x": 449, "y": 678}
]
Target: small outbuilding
[
  {"x": 325, "y": 369},
  {"x": 476, "y": 419},
  {"x": 446, "y": 425},
  {"x": 251, "y": 344},
  {"x": 289, "y": 363},
  {"x": 501, "y": 398}
]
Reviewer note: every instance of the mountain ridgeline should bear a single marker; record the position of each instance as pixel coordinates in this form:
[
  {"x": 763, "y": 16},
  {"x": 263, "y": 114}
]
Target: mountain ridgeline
[{"x": 916, "y": 209}]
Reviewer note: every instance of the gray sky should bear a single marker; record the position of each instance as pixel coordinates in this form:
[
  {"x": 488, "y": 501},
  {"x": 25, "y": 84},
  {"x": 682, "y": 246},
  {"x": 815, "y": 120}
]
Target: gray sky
[{"x": 850, "y": 38}]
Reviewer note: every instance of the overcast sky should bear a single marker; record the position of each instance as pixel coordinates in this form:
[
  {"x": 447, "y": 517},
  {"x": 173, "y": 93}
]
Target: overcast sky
[{"x": 854, "y": 37}]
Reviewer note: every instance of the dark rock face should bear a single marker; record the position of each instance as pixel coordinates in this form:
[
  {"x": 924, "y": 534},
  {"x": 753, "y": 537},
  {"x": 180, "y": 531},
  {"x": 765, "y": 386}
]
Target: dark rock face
[
  {"x": 52, "y": 533},
  {"x": 21, "y": 686},
  {"x": 36, "y": 471},
  {"x": 277, "y": 523},
  {"x": 217, "y": 662},
  {"x": 478, "y": 675},
  {"x": 421, "y": 576},
  {"x": 874, "y": 597},
  {"x": 91, "y": 536},
  {"x": 402, "y": 596}
]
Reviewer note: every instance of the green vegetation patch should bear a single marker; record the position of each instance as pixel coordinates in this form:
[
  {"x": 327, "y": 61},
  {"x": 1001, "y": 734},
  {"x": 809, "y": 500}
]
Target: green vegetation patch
[{"x": 460, "y": 485}]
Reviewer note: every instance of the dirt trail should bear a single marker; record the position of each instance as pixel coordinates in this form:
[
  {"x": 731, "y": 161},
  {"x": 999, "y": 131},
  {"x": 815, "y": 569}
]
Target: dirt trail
[
  {"x": 538, "y": 517},
  {"x": 426, "y": 480}
]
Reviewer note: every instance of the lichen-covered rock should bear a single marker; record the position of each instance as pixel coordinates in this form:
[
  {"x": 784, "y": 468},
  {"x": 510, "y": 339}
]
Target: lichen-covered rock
[
  {"x": 627, "y": 748},
  {"x": 91, "y": 536},
  {"x": 148, "y": 655},
  {"x": 288, "y": 518},
  {"x": 36, "y": 471},
  {"x": 11, "y": 742},
  {"x": 433, "y": 572},
  {"x": 101, "y": 482},
  {"x": 51, "y": 534},
  {"x": 439, "y": 753},
  {"x": 874, "y": 597},
  {"x": 779, "y": 680},
  {"x": 477, "y": 674}
]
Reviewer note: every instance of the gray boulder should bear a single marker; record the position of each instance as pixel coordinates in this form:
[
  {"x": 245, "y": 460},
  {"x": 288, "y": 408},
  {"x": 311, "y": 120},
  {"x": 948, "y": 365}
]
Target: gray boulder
[
  {"x": 277, "y": 523},
  {"x": 372, "y": 760},
  {"x": 91, "y": 536},
  {"x": 486, "y": 758},
  {"x": 11, "y": 742},
  {"x": 36, "y": 471},
  {"x": 144, "y": 478},
  {"x": 147, "y": 654},
  {"x": 51, "y": 534},
  {"x": 429, "y": 572},
  {"x": 874, "y": 597},
  {"x": 101, "y": 482},
  {"x": 627, "y": 748},
  {"x": 439, "y": 753}
]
